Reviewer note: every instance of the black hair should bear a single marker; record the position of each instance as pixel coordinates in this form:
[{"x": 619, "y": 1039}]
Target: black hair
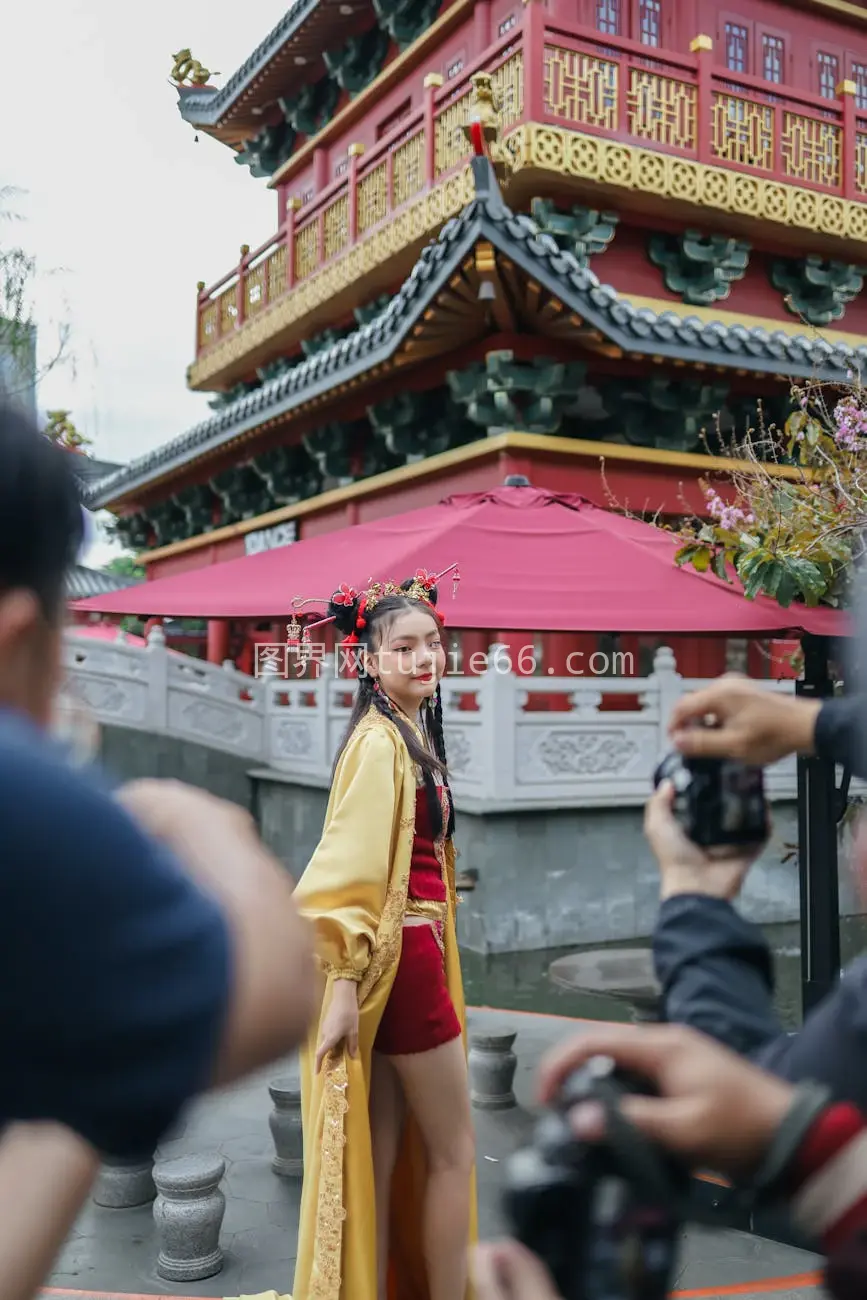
[
  {"x": 346, "y": 618},
  {"x": 41, "y": 520}
]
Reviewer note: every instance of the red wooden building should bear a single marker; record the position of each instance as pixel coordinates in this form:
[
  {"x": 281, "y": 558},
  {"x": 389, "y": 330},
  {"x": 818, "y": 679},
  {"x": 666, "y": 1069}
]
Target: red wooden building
[{"x": 677, "y": 231}]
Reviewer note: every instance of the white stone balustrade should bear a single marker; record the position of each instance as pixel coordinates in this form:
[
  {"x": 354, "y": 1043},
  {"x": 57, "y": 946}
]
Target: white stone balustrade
[{"x": 503, "y": 754}]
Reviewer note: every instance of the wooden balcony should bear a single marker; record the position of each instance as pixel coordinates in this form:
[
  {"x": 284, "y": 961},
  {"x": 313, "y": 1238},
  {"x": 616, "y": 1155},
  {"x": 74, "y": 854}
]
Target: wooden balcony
[{"x": 577, "y": 110}]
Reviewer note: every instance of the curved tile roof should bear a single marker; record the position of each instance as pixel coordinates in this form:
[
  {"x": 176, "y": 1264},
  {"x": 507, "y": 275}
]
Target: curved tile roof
[
  {"x": 207, "y": 107},
  {"x": 634, "y": 329}
]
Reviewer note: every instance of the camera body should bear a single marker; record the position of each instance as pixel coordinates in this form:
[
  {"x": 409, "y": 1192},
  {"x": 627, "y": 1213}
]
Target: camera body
[
  {"x": 601, "y": 1216},
  {"x": 719, "y": 802}
]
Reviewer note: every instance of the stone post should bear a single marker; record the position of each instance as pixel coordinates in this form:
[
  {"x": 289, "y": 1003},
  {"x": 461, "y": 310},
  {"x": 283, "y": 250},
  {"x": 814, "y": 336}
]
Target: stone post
[
  {"x": 492, "y": 1065},
  {"x": 669, "y": 685},
  {"x": 285, "y": 1124},
  {"x": 158, "y": 680},
  {"x": 123, "y": 1184},
  {"x": 188, "y": 1214},
  {"x": 499, "y": 703}
]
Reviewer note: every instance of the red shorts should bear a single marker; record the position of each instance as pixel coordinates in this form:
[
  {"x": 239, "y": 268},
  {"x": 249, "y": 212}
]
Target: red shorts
[{"x": 419, "y": 1014}]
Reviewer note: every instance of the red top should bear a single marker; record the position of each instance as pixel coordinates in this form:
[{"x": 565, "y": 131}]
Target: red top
[{"x": 425, "y": 874}]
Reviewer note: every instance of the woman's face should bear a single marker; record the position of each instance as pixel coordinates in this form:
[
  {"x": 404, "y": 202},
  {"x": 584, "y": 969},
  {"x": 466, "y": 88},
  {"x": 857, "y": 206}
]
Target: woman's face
[{"x": 410, "y": 660}]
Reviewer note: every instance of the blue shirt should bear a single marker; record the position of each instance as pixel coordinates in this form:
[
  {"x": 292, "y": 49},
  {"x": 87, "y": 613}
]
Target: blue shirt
[{"x": 115, "y": 969}]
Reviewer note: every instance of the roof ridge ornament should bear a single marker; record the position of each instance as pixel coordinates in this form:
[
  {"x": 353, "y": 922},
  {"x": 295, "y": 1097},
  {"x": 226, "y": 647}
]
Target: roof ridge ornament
[
  {"x": 187, "y": 71},
  {"x": 483, "y": 127}
]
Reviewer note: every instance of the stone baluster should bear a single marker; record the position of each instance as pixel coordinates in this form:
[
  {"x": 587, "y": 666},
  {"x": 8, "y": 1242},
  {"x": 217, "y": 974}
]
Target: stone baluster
[
  {"x": 158, "y": 680},
  {"x": 188, "y": 1214},
  {"x": 124, "y": 1184},
  {"x": 498, "y": 701},
  {"x": 492, "y": 1065},
  {"x": 669, "y": 687},
  {"x": 285, "y": 1124}
]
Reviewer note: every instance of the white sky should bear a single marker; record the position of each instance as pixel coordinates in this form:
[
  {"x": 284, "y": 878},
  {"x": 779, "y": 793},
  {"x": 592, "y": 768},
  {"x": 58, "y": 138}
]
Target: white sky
[{"x": 123, "y": 211}]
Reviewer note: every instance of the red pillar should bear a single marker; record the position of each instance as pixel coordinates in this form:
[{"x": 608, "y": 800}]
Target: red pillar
[{"x": 218, "y": 640}]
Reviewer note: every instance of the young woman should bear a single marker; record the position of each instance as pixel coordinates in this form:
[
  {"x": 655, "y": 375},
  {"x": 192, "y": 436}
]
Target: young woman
[{"x": 388, "y": 1207}]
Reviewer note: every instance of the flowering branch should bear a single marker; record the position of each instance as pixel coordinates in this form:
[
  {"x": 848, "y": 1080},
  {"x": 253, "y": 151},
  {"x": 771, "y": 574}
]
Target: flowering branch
[{"x": 795, "y": 504}]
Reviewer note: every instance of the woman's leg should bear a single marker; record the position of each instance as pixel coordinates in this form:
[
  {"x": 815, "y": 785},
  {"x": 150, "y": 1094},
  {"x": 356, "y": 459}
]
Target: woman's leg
[
  {"x": 386, "y": 1126},
  {"x": 436, "y": 1088}
]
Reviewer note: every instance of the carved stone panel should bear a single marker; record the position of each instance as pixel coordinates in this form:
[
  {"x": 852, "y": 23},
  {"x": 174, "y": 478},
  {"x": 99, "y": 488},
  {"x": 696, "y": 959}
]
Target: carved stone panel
[
  {"x": 213, "y": 723},
  {"x": 291, "y": 739},
  {"x": 111, "y": 700},
  {"x": 573, "y": 751},
  {"x": 460, "y": 753}
]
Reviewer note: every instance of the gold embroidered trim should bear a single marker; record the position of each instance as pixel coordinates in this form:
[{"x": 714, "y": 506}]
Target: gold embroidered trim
[
  {"x": 429, "y": 908},
  {"x": 341, "y": 972},
  {"x": 330, "y": 1212}
]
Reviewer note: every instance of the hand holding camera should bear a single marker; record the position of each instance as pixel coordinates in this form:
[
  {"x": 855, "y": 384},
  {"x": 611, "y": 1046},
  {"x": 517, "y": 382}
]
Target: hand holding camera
[{"x": 598, "y": 1201}]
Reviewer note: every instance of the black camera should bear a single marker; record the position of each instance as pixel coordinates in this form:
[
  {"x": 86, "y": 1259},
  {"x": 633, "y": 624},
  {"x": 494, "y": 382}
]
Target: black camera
[
  {"x": 717, "y": 801},
  {"x": 604, "y": 1217}
]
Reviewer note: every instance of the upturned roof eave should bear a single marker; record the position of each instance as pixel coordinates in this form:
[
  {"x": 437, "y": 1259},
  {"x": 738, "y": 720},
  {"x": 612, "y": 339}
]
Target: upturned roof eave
[{"x": 209, "y": 108}]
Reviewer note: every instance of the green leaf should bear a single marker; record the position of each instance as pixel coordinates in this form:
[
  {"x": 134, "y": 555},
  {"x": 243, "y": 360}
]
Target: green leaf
[
  {"x": 787, "y": 589},
  {"x": 719, "y": 566},
  {"x": 809, "y": 579},
  {"x": 684, "y": 554},
  {"x": 753, "y": 581},
  {"x": 748, "y": 542},
  {"x": 812, "y": 433},
  {"x": 795, "y": 423},
  {"x": 771, "y": 577},
  {"x": 701, "y": 559}
]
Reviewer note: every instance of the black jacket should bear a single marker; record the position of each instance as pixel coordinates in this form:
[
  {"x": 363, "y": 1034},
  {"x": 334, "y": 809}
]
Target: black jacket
[{"x": 716, "y": 970}]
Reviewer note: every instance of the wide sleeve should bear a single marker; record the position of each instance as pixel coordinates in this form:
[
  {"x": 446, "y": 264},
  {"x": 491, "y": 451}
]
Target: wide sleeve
[{"x": 342, "y": 892}]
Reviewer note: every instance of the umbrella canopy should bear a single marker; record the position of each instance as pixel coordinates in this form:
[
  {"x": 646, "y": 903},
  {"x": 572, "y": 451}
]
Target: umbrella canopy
[{"x": 530, "y": 560}]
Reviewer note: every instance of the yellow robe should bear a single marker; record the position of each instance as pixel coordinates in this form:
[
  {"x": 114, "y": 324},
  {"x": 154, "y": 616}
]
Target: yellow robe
[{"x": 354, "y": 892}]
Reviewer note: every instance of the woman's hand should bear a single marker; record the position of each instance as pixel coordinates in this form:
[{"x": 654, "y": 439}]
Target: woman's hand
[{"x": 340, "y": 1023}]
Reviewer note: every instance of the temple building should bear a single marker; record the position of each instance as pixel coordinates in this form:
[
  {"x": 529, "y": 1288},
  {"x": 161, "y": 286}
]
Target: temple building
[{"x": 511, "y": 238}]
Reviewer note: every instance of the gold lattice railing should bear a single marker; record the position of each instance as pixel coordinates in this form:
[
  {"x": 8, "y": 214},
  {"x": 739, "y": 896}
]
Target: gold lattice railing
[{"x": 682, "y": 105}]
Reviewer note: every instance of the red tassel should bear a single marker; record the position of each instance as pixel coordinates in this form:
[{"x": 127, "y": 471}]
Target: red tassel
[{"x": 477, "y": 139}]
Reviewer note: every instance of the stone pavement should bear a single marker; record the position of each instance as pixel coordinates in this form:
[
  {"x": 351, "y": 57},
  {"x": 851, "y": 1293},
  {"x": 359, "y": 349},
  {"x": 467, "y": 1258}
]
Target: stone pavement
[{"x": 111, "y": 1254}]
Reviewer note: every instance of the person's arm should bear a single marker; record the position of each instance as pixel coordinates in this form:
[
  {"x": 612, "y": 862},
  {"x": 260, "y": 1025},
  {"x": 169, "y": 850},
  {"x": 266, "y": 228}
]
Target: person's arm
[
  {"x": 715, "y": 972},
  {"x": 342, "y": 892},
  {"x": 46, "y": 1172},
  {"x": 119, "y": 974},
  {"x": 273, "y": 990},
  {"x": 840, "y": 733},
  {"x": 714, "y": 968}
]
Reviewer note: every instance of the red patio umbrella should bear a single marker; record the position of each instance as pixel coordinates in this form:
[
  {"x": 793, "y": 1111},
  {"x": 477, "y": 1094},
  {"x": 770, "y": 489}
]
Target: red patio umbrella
[{"x": 530, "y": 560}]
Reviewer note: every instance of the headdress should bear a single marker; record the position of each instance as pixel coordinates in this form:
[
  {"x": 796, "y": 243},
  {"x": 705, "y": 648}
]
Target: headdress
[{"x": 420, "y": 588}]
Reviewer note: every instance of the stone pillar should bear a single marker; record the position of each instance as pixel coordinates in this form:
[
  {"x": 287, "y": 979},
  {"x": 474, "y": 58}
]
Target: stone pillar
[
  {"x": 492, "y": 1065},
  {"x": 188, "y": 1214},
  {"x": 123, "y": 1184},
  {"x": 285, "y": 1124}
]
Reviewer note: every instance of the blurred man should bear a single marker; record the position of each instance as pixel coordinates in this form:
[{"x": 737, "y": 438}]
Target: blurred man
[{"x": 149, "y": 945}]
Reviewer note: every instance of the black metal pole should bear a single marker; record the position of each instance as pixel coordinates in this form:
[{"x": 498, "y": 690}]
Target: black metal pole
[{"x": 817, "y": 847}]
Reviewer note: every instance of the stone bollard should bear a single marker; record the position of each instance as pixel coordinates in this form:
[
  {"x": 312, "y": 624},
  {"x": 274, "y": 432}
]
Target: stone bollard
[
  {"x": 188, "y": 1214},
  {"x": 121, "y": 1185},
  {"x": 285, "y": 1124},
  {"x": 492, "y": 1065}
]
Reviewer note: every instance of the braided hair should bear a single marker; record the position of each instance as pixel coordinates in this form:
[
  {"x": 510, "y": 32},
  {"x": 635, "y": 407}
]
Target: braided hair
[{"x": 367, "y": 627}]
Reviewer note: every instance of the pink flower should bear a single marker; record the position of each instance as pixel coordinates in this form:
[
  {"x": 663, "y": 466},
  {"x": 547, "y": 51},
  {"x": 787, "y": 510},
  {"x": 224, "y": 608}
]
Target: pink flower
[{"x": 344, "y": 595}]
